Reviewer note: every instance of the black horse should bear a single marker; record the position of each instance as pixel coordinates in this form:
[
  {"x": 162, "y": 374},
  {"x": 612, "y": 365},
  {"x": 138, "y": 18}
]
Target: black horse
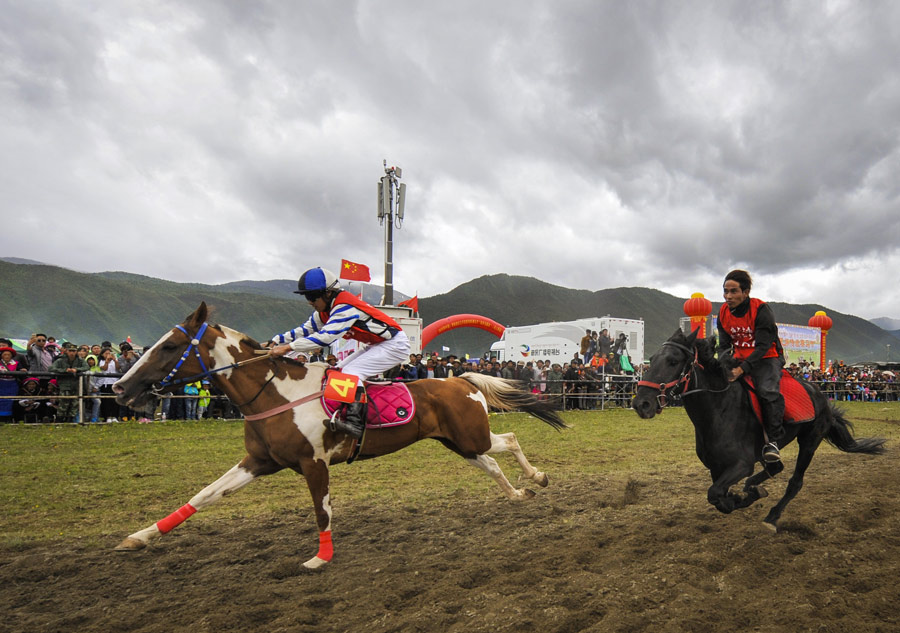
[{"x": 728, "y": 433}]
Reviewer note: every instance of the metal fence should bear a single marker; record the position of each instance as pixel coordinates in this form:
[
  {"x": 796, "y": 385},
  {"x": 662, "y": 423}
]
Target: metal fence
[
  {"x": 43, "y": 406},
  {"x": 600, "y": 393},
  {"x": 859, "y": 391}
]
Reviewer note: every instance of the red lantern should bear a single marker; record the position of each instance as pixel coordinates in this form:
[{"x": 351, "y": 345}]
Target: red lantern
[
  {"x": 824, "y": 323},
  {"x": 698, "y": 308}
]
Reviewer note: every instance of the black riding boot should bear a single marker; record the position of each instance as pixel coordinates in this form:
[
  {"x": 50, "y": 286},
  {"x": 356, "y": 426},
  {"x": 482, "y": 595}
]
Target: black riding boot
[
  {"x": 354, "y": 421},
  {"x": 767, "y": 378},
  {"x": 775, "y": 432}
]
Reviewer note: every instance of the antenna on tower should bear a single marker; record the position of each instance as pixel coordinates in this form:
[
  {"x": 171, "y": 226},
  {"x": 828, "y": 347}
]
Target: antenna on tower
[{"x": 391, "y": 204}]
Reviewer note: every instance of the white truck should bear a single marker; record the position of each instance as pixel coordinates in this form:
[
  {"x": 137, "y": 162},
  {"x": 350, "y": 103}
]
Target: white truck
[{"x": 559, "y": 341}]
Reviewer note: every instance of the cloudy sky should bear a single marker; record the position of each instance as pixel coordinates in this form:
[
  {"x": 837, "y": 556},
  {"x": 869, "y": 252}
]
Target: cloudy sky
[{"x": 588, "y": 144}]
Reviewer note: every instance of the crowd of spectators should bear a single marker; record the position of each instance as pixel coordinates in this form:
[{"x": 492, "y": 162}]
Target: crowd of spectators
[
  {"x": 576, "y": 384},
  {"x": 40, "y": 384},
  {"x": 839, "y": 381}
]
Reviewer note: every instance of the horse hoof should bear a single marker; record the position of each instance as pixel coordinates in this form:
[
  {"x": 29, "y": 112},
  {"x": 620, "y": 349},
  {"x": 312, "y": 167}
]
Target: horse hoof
[
  {"x": 771, "y": 526},
  {"x": 130, "y": 545},
  {"x": 315, "y": 563},
  {"x": 763, "y": 493},
  {"x": 542, "y": 479},
  {"x": 526, "y": 494}
]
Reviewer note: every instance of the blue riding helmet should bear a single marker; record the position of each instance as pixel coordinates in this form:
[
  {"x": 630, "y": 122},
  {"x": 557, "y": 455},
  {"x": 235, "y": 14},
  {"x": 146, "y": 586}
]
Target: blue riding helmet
[{"x": 315, "y": 282}]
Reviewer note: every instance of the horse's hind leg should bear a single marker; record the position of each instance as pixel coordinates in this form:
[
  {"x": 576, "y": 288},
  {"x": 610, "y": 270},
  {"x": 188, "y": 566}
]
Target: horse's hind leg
[
  {"x": 492, "y": 468},
  {"x": 795, "y": 483},
  {"x": 236, "y": 478},
  {"x": 508, "y": 442}
]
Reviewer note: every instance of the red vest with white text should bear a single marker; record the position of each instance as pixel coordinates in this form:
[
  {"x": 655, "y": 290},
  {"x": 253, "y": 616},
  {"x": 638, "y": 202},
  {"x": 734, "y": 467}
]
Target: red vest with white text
[{"x": 742, "y": 330}]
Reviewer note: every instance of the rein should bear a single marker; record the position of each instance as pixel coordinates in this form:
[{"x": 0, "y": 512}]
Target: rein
[
  {"x": 285, "y": 407},
  {"x": 194, "y": 346},
  {"x": 683, "y": 380}
]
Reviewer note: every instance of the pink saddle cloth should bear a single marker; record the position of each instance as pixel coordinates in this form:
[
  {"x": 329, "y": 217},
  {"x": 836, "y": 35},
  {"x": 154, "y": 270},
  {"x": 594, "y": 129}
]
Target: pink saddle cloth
[
  {"x": 389, "y": 405},
  {"x": 798, "y": 406}
]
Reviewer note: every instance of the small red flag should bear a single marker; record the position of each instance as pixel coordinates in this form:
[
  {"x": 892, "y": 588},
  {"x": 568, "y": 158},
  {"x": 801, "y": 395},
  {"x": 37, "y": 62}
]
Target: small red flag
[
  {"x": 353, "y": 271},
  {"x": 411, "y": 303}
]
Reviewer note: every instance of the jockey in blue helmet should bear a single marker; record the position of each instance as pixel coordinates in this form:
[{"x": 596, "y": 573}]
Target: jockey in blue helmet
[{"x": 338, "y": 313}]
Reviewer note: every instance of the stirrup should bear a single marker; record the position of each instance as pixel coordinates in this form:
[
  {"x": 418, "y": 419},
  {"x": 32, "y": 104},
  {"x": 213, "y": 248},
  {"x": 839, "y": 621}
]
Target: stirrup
[
  {"x": 337, "y": 424},
  {"x": 770, "y": 453}
]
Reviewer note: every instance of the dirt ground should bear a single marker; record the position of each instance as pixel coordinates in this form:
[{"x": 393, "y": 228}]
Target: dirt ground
[{"x": 621, "y": 553}]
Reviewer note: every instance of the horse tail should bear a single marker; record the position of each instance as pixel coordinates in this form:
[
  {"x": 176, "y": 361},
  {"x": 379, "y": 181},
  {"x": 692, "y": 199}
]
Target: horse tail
[
  {"x": 840, "y": 435},
  {"x": 508, "y": 395}
]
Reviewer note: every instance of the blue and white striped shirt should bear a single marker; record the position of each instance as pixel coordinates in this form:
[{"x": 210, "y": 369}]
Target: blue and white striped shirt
[{"x": 315, "y": 333}]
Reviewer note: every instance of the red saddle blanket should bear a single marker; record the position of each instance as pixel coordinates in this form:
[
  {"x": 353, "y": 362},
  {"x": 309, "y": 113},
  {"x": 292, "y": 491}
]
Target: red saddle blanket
[
  {"x": 798, "y": 405},
  {"x": 389, "y": 405}
]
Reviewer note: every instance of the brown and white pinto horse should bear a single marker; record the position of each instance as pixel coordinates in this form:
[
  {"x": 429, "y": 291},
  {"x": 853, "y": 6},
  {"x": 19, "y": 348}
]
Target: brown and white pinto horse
[{"x": 453, "y": 411}]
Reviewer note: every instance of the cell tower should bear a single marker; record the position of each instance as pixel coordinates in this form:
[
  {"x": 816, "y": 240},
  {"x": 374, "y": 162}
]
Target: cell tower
[{"x": 391, "y": 200}]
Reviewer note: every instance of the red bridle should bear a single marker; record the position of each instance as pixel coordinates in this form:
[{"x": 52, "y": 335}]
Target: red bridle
[{"x": 683, "y": 379}]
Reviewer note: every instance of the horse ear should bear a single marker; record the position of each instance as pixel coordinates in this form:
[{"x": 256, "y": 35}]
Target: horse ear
[
  {"x": 692, "y": 337},
  {"x": 198, "y": 316}
]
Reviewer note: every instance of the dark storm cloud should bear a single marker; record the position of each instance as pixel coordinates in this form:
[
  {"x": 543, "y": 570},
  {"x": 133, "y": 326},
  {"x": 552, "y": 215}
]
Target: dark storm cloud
[{"x": 588, "y": 144}]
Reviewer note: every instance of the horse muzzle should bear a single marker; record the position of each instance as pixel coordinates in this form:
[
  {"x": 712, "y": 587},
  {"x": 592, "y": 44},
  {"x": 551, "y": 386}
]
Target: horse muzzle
[
  {"x": 130, "y": 395},
  {"x": 647, "y": 406}
]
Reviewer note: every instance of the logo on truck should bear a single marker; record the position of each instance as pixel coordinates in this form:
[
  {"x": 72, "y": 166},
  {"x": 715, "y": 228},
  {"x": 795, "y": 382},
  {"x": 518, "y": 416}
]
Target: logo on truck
[{"x": 526, "y": 352}]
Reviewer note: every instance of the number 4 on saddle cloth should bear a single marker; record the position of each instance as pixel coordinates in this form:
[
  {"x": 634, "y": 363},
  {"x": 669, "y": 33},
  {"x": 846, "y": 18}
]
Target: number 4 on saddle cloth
[
  {"x": 798, "y": 405},
  {"x": 390, "y": 404}
]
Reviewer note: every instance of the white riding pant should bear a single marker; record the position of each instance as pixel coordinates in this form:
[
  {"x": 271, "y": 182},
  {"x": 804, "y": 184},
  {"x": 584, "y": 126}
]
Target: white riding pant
[{"x": 377, "y": 358}]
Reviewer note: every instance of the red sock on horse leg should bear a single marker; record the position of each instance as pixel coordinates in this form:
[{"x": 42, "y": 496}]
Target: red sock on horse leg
[
  {"x": 176, "y": 518},
  {"x": 326, "y": 549}
]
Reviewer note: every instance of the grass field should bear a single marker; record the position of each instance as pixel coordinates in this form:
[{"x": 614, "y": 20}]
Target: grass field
[{"x": 90, "y": 483}]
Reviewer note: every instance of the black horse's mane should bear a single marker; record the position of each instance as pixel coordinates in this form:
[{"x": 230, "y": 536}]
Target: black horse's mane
[
  {"x": 719, "y": 366},
  {"x": 706, "y": 355},
  {"x": 706, "y": 352}
]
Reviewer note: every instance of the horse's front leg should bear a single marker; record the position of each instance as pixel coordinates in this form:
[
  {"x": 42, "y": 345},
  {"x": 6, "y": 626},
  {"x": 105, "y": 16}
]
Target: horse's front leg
[
  {"x": 752, "y": 486},
  {"x": 236, "y": 478},
  {"x": 316, "y": 473},
  {"x": 719, "y": 495}
]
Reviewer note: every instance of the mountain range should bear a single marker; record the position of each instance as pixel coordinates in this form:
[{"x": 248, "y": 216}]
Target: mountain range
[
  {"x": 513, "y": 300},
  {"x": 92, "y": 307}
]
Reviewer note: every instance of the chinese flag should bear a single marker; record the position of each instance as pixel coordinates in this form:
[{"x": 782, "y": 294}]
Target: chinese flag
[
  {"x": 353, "y": 271},
  {"x": 411, "y": 303}
]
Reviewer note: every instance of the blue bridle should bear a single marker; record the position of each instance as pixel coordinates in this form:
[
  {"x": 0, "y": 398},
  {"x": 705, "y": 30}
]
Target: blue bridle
[{"x": 195, "y": 342}]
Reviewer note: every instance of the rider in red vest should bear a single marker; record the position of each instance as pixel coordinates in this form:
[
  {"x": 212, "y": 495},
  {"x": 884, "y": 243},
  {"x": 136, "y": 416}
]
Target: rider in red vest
[
  {"x": 337, "y": 314},
  {"x": 747, "y": 327}
]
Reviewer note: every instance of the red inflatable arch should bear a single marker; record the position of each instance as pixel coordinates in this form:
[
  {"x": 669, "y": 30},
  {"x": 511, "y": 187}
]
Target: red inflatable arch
[{"x": 460, "y": 320}]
